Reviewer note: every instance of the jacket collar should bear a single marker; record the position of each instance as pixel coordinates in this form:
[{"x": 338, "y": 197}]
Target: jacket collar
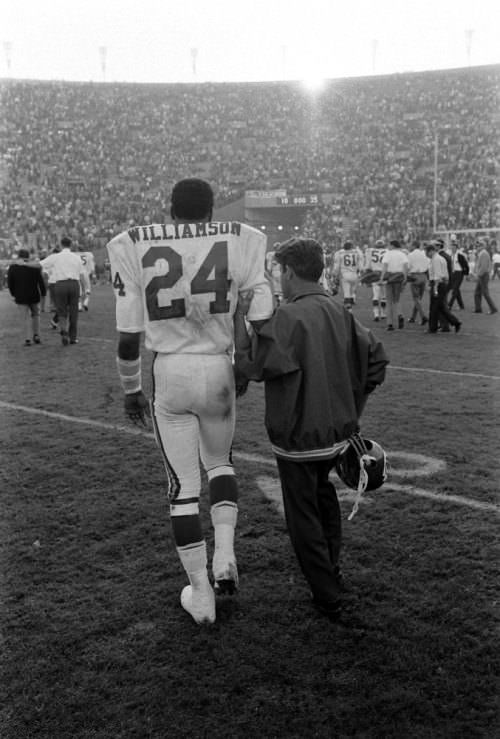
[{"x": 313, "y": 290}]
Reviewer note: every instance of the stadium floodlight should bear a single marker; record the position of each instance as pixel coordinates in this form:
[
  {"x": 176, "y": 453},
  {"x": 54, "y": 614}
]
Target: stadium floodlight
[
  {"x": 280, "y": 228},
  {"x": 313, "y": 84}
]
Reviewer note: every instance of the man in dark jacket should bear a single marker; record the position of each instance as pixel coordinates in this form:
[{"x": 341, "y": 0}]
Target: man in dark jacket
[
  {"x": 444, "y": 324},
  {"x": 27, "y": 286},
  {"x": 319, "y": 365},
  {"x": 460, "y": 270}
]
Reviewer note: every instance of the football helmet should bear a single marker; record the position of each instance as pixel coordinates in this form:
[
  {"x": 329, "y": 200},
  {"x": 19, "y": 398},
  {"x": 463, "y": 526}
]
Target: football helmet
[{"x": 362, "y": 465}]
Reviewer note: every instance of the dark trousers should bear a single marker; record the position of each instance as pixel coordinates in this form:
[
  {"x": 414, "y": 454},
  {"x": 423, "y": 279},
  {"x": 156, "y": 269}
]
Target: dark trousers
[
  {"x": 456, "y": 281},
  {"x": 483, "y": 291},
  {"x": 313, "y": 518},
  {"x": 66, "y": 294},
  {"x": 52, "y": 293},
  {"x": 439, "y": 311}
]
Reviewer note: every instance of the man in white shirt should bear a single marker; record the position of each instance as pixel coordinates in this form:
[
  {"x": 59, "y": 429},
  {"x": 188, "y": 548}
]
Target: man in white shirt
[
  {"x": 438, "y": 285},
  {"x": 69, "y": 276},
  {"x": 418, "y": 266},
  {"x": 394, "y": 274}
]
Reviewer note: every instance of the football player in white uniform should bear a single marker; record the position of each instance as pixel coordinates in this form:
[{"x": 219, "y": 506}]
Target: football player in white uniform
[
  {"x": 89, "y": 263},
  {"x": 347, "y": 265},
  {"x": 373, "y": 267},
  {"x": 274, "y": 271},
  {"x": 179, "y": 283}
]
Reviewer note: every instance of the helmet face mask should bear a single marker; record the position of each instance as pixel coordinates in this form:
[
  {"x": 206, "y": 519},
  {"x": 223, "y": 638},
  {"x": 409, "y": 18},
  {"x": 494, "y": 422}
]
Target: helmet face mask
[{"x": 362, "y": 465}]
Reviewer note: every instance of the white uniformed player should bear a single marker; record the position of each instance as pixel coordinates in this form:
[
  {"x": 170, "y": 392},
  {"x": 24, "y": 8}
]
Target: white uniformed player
[
  {"x": 179, "y": 283},
  {"x": 373, "y": 263},
  {"x": 89, "y": 263},
  {"x": 347, "y": 265},
  {"x": 274, "y": 271}
]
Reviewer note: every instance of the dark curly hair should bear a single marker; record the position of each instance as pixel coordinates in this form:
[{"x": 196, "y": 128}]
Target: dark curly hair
[
  {"x": 192, "y": 199},
  {"x": 304, "y": 256}
]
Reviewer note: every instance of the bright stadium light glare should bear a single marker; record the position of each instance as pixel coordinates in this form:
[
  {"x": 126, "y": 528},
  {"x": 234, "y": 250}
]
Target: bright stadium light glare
[{"x": 313, "y": 84}]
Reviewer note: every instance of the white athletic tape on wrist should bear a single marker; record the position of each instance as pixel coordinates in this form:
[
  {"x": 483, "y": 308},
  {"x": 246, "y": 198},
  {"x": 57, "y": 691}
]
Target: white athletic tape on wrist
[{"x": 129, "y": 371}]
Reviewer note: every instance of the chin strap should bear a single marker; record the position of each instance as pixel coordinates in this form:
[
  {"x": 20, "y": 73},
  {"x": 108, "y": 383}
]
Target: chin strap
[{"x": 364, "y": 459}]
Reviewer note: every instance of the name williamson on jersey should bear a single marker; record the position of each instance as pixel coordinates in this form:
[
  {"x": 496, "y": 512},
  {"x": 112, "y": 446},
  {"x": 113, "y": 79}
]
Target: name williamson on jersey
[{"x": 172, "y": 231}]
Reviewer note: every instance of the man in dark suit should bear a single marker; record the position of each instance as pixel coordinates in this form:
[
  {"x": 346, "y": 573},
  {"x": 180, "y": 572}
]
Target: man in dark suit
[
  {"x": 460, "y": 270},
  {"x": 26, "y": 285},
  {"x": 443, "y": 322}
]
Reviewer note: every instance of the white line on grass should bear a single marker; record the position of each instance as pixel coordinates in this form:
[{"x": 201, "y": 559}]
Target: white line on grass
[
  {"x": 443, "y": 372},
  {"x": 270, "y": 486}
]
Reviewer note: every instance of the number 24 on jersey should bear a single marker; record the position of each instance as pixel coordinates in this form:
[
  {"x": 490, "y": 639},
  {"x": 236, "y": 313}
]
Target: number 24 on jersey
[{"x": 216, "y": 262}]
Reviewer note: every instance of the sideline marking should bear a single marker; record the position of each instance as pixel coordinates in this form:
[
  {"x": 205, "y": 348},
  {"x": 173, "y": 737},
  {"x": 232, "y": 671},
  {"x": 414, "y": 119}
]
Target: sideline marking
[
  {"x": 443, "y": 372},
  {"x": 270, "y": 486}
]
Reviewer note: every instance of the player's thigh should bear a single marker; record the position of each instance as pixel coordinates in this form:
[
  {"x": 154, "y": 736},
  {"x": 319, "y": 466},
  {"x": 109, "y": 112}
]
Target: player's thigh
[
  {"x": 216, "y": 412},
  {"x": 176, "y": 426},
  {"x": 348, "y": 287}
]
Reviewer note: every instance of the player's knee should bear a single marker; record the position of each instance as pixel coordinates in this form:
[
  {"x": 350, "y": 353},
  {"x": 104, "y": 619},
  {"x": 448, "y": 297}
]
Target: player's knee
[{"x": 222, "y": 487}]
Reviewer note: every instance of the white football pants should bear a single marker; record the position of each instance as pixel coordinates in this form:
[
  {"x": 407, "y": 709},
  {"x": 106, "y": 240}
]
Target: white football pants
[{"x": 193, "y": 410}]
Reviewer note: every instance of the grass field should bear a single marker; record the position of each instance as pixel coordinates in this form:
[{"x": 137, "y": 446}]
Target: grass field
[{"x": 94, "y": 643}]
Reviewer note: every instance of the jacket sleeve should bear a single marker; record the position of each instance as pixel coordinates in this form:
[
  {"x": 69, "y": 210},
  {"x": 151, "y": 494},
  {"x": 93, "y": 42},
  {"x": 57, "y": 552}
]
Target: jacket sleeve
[
  {"x": 377, "y": 362},
  {"x": 462, "y": 260},
  {"x": 368, "y": 360},
  {"x": 271, "y": 354},
  {"x": 11, "y": 280}
]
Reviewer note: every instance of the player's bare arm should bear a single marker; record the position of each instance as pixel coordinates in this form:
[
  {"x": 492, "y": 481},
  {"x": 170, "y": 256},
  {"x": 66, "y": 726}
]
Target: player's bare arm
[
  {"x": 129, "y": 369},
  {"x": 242, "y": 341}
]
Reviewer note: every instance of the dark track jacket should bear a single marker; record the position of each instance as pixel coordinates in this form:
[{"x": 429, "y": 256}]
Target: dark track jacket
[
  {"x": 25, "y": 282},
  {"x": 318, "y": 364}
]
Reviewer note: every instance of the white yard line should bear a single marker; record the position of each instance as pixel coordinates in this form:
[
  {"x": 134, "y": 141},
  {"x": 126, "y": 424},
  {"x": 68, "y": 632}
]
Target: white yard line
[
  {"x": 443, "y": 372},
  {"x": 420, "y": 465}
]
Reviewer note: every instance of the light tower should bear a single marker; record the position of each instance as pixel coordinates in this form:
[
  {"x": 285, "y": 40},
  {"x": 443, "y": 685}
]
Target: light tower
[
  {"x": 374, "y": 54},
  {"x": 194, "y": 62},
  {"x": 468, "y": 44},
  {"x": 103, "y": 53},
  {"x": 7, "y": 47}
]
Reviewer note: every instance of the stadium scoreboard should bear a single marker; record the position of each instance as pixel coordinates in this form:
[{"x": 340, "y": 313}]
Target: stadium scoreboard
[
  {"x": 297, "y": 200},
  {"x": 280, "y": 199}
]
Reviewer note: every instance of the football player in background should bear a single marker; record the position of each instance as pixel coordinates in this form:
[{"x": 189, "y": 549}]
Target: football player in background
[
  {"x": 179, "y": 283},
  {"x": 89, "y": 264},
  {"x": 373, "y": 264},
  {"x": 346, "y": 268}
]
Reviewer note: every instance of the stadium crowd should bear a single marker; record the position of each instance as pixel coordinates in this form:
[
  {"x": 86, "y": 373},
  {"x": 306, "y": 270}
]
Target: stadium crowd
[{"x": 89, "y": 159}]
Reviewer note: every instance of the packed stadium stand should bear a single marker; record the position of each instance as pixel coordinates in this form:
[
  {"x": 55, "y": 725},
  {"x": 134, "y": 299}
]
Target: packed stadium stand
[{"x": 89, "y": 159}]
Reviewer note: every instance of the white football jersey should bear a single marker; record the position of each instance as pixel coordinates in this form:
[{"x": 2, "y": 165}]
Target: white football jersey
[
  {"x": 347, "y": 262},
  {"x": 179, "y": 283},
  {"x": 373, "y": 258},
  {"x": 88, "y": 261}
]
